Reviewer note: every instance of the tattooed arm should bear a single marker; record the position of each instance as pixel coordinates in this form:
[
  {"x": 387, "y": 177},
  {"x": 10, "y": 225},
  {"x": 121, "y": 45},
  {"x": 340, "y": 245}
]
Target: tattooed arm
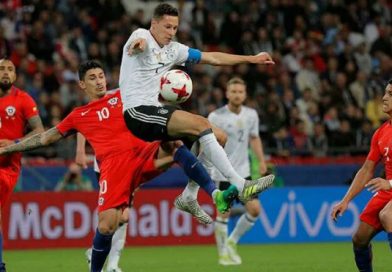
[
  {"x": 38, "y": 140},
  {"x": 36, "y": 126}
]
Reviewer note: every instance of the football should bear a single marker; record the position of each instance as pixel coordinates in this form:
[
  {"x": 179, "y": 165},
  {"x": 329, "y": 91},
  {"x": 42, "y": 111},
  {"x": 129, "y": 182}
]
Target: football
[{"x": 176, "y": 86}]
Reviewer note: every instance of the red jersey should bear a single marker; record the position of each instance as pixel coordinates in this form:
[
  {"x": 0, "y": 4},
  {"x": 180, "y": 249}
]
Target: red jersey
[
  {"x": 381, "y": 147},
  {"x": 101, "y": 122},
  {"x": 15, "y": 110}
]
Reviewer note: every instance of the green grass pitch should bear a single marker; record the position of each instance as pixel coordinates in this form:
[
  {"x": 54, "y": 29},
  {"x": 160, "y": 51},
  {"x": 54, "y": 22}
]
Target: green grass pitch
[{"x": 321, "y": 257}]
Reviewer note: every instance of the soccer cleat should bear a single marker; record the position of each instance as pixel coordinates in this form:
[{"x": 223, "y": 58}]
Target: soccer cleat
[
  {"x": 232, "y": 251},
  {"x": 221, "y": 204},
  {"x": 254, "y": 187},
  {"x": 226, "y": 260},
  {"x": 193, "y": 208},
  {"x": 2, "y": 267}
]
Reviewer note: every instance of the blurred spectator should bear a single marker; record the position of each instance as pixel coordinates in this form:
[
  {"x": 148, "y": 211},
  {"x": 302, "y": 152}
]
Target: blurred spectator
[
  {"x": 74, "y": 180},
  {"x": 318, "y": 142},
  {"x": 374, "y": 110},
  {"x": 283, "y": 142}
]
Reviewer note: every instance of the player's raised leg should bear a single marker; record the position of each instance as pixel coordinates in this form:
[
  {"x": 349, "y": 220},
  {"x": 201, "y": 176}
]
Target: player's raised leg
[
  {"x": 196, "y": 171},
  {"x": 197, "y": 127}
]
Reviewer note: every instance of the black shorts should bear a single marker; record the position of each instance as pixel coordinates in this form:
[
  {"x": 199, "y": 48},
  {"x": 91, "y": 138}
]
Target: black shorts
[{"x": 149, "y": 123}]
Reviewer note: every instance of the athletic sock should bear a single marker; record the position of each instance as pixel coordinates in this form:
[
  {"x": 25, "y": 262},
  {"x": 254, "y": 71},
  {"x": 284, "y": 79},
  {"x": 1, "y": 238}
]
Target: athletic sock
[
  {"x": 100, "y": 250},
  {"x": 390, "y": 239},
  {"x": 221, "y": 235},
  {"x": 363, "y": 258},
  {"x": 245, "y": 223},
  {"x": 190, "y": 191},
  {"x": 194, "y": 169},
  {"x": 118, "y": 242},
  {"x": 216, "y": 154}
]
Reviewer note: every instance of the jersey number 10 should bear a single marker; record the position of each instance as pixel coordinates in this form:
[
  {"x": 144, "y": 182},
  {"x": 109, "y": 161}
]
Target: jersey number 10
[{"x": 103, "y": 114}]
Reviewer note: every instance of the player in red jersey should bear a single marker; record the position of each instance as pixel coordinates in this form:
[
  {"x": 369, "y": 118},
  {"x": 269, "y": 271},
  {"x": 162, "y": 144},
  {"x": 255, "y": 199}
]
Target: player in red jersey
[
  {"x": 17, "y": 109},
  {"x": 377, "y": 215},
  {"x": 125, "y": 161}
]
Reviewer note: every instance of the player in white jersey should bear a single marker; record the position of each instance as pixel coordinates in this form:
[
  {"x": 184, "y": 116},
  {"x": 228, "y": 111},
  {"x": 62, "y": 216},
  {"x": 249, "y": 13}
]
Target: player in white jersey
[
  {"x": 147, "y": 55},
  {"x": 241, "y": 124}
]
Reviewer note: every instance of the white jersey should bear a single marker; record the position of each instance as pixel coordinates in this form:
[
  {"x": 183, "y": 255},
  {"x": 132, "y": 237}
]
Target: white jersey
[
  {"x": 239, "y": 128},
  {"x": 140, "y": 74}
]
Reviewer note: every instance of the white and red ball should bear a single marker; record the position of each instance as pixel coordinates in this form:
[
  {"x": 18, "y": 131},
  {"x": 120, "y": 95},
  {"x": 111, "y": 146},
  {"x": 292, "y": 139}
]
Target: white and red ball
[{"x": 176, "y": 86}]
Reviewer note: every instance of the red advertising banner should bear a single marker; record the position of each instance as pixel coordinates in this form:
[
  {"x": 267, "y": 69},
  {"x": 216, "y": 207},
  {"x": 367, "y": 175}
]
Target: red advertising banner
[{"x": 69, "y": 219}]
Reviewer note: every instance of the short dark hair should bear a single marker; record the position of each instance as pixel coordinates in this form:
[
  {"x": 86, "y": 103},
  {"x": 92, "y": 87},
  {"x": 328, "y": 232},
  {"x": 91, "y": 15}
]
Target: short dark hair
[
  {"x": 87, "y": 65},
  {"x": 390, "y": 81},
  {"x": 164, "y": 9}
]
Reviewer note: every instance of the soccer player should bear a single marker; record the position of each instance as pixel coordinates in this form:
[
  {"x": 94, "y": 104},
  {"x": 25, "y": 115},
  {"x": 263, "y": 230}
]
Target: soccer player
[
  {"x": 377, "y": 215},
  {"x": 241, "y": 124},
  {"x": 125, "y": 161},
  {"x": 147, "y": 55},
  {"x": 17, "y": 109}
]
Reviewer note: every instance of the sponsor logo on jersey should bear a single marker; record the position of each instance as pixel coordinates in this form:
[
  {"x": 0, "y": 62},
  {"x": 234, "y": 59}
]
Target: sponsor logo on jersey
[{"x": 10, "y": 110}]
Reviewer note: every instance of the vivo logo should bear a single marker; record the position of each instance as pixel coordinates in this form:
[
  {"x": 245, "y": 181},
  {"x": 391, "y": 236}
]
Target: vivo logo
[{"x": 297, "y": 215}]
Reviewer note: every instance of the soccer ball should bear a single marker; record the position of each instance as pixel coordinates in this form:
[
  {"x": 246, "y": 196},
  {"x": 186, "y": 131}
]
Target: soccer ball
[{"x": 176, "y": 86}]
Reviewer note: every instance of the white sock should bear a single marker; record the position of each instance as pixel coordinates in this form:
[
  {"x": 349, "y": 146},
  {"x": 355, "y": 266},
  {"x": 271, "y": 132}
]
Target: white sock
[
  {"x": 118, "y": 242},
  {"x": 216, "y": 154},
  {"x": 221, "y": 235},
  {"x": 190, "y": 191},
  {"x": 245, "y": 223}
]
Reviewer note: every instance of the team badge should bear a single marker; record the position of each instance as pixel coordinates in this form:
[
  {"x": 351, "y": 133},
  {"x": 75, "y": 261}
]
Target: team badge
[
  {"x": 113, "y": 101},
  {"x": 10, "y": 110},
  {"x": 101, "y": 200}
]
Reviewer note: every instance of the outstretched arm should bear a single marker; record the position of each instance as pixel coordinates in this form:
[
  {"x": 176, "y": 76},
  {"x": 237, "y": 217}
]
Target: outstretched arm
[
  {"x": 38, "y": 140},
  {"x": 219, "y": 58},
  {"x": 361, "y": 178}
]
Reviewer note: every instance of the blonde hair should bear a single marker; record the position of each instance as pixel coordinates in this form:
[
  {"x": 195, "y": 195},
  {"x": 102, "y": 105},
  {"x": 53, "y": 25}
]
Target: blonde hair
[{"x": 235, "y": 80}]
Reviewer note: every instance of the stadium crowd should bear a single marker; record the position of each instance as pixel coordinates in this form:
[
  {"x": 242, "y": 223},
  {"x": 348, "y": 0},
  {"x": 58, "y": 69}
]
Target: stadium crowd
[{"x": 333, "y": 59}]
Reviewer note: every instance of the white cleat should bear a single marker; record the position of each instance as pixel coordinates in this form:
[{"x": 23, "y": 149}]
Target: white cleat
[
  {"x": 226, "y": 260},
  {"x": 254, "y": 187},
  {"x": 193, "y": 208},
  {"x": 232, "y": 252}
]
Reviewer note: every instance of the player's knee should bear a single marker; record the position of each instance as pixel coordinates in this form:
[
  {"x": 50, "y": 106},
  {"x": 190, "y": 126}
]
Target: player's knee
[
  {"x": 386, "y": 219},
  {"x": 171, "y": 146},
  {"x": 359, "y": 240},
  {"x": 254, "y": 211},
  {"x": 221, "y": 137},
  {"x": 107, "y": 228},
  {"x": 202, "y": 125},
  {"x": 124, "y": 218}
]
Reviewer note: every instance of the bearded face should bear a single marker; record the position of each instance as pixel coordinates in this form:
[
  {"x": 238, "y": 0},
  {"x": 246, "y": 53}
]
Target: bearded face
[{"x": 7, "y": 74}]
